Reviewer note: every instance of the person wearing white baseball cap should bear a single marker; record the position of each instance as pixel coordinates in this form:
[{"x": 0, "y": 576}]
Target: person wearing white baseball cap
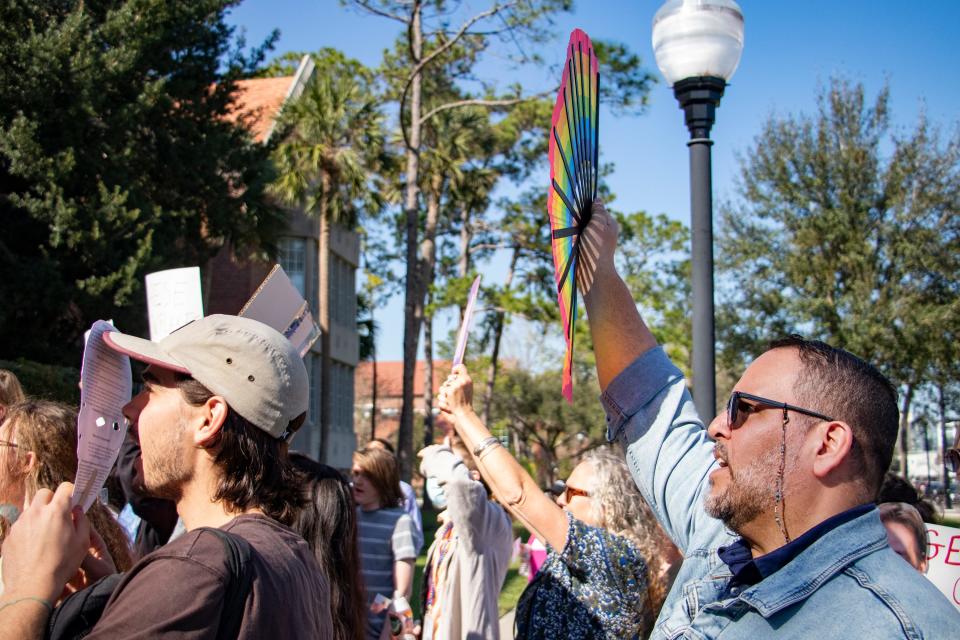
[{"x": 221, "y": 396}]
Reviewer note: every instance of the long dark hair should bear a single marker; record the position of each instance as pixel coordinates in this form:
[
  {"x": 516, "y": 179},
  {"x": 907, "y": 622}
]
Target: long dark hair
[
  {"x": 255, "y": 471},
  {"x": 328, "y": 523}
]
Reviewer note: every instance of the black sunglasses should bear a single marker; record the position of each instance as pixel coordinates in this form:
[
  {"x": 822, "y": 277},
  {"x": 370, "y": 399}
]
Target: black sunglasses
[{"x": 736, "y": 405}]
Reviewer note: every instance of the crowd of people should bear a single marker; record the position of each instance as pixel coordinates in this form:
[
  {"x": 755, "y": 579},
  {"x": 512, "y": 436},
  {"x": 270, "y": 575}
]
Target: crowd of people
[{"x": 776, "y": 518}]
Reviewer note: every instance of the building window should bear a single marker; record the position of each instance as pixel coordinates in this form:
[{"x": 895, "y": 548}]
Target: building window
[
  {"x": 315, "y": 382},
  {"x": 343, "y": 294},
  {"x": 292, "y": 254},
  {"x": 342, "y": 397}
]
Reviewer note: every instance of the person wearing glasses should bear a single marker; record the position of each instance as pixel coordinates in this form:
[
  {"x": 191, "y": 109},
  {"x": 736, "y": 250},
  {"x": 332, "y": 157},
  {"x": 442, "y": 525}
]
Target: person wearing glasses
[
  {"x": 607, "y": 566},
  {"x": 771, "y": 501}
]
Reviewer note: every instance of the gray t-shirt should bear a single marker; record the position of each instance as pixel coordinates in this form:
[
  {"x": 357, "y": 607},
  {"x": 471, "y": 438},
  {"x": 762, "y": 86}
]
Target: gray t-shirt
[
  {"x": 177, "y": 591},
  {"x": 386, "y": 536}
]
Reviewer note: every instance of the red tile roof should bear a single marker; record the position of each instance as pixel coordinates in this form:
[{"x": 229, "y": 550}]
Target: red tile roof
[
  {"x": 261, "y": 98},
  {"x": 390, "y": 378}
]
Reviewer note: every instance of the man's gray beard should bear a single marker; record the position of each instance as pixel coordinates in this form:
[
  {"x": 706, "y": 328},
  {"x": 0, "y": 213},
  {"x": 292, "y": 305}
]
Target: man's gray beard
[{"x": 749, "y": 493}]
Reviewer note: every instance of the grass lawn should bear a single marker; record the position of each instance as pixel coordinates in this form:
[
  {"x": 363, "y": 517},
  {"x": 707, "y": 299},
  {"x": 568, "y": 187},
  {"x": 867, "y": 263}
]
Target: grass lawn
[{"x": 513, "y": 585}]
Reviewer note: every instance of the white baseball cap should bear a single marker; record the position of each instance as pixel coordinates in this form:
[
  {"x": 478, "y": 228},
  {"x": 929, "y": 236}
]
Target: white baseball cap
[{"x": 251, "y": 365}]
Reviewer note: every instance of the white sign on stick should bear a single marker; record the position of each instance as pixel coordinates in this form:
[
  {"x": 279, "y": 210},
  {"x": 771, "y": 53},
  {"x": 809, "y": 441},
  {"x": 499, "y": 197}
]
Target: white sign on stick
[
  {"x": 943, "y": 560},
  {"x": 173, "y": 300},
  {"x": 105, "y": 388},
  {"x": 278, "y": 303}
]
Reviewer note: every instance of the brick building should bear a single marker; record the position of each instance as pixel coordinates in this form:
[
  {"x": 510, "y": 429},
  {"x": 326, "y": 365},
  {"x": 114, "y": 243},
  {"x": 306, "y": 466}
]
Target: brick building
[
  {"x": 390, "y": 400},
  {"x": 228, "y": 281}
]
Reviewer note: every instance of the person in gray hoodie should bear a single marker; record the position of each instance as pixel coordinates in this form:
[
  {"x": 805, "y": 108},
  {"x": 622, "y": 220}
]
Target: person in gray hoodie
[{"x": 468, "y": 560}]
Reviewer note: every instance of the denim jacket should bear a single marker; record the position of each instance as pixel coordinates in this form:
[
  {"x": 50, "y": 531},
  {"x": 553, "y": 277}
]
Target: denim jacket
[{"x": 848, "y": 583}]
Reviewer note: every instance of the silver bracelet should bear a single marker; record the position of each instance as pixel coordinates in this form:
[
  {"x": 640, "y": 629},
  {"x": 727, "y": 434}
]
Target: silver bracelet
[{"x": 485, "y": 444}]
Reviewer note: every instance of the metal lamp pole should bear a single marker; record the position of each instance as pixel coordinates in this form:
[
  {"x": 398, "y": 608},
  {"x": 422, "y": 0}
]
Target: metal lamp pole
[
  {"x": 699, "y": 98},
  {"x": 697, "y": 44}
]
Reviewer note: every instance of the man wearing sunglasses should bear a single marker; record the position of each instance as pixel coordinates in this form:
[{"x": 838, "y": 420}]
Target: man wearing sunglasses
[{"x": 771, "y": 503}]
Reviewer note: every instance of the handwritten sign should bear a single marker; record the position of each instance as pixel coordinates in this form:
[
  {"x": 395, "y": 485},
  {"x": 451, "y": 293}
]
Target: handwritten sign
[
  {"x": 277, "y": 303},
  {"x": 173, "y": 300},
  {"x": 943, "y": 560},
  {"x": 105, "y": 388}
]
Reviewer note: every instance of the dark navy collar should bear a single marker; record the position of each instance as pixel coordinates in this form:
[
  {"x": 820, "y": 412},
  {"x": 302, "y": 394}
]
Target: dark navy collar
[{"x": 748, "y": 570}]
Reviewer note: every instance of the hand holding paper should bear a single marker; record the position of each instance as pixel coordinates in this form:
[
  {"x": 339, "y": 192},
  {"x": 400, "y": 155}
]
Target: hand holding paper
[{"x": 101, "y": 427}]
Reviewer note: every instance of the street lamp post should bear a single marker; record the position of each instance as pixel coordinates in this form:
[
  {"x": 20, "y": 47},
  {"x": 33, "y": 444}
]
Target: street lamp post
[{"x": 697, "y": 44}]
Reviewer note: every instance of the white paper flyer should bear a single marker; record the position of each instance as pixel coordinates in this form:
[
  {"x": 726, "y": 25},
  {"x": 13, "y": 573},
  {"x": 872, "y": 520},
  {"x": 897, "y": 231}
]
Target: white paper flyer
[{"x": 101, "y": 427}]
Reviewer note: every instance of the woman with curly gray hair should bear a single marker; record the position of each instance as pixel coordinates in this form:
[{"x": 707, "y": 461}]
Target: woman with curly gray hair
[
  {"x": 603, "y": 577},
  {"x": 617, "y": 505}
]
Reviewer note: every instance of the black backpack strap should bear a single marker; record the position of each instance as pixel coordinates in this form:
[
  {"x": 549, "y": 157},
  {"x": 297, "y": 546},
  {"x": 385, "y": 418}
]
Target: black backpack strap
[
  {"x": 237, "y": 553},
  {"x": 79, "y": 612}
]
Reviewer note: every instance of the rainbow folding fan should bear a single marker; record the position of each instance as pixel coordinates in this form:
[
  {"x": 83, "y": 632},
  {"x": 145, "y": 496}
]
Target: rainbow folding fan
[{"x": 573, "y": 178}]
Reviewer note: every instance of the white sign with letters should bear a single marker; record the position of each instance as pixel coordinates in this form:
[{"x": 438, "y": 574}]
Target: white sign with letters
[
  {"x": 173, "y": 300},
  {"x": 943, "y": 560}
]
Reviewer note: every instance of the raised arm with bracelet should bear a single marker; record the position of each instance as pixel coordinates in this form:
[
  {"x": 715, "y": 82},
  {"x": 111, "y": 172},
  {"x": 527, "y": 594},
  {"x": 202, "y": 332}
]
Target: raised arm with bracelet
[{"x": 510, "y": 482}]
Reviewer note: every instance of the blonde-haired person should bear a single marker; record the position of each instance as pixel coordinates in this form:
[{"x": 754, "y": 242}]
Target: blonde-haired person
[
  {"x": 38, "y": 440},
  {"x": 10, "y": 391},
  {"x": 598, "y": 578},
  {"x": 388, "y": 543}
]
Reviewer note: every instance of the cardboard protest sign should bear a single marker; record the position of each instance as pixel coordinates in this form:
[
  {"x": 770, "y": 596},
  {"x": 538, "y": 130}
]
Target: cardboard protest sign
[
  {"x": 278, "y": 303},
  {"x": 105, "y": 388},
  {"x": 173, "y": 300},
  {"x": 943, "y": 560}
]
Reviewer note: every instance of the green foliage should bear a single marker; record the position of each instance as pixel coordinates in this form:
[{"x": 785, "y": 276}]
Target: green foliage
[
  {"x": 513, "y": 586},
  {"x": 848, "y": 231},
  {"x": 51, "y": 382},
  {"x": 117, "y": 158},
  {"x": 332, "y": 143},
  {"x": 625, "y": 83},
  {"x": 550, "y": 429},
  {"x": 281, "y": 66},
  {"x": 653, "y": 258}
]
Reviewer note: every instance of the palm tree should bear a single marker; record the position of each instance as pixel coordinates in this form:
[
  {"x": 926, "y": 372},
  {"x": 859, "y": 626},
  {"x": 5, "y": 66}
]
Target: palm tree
[{"x": 331, "y": 148}]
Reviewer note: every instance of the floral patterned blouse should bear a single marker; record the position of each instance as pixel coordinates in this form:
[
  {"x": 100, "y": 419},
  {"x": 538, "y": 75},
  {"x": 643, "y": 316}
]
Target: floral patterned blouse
[{"x": 596, "y": 588}]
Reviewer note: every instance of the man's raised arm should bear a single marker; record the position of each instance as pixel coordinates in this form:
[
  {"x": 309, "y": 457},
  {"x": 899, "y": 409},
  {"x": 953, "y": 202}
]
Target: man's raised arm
[
  {"x": 619, "y": 333},
  {"x": 649, "y": 409}
]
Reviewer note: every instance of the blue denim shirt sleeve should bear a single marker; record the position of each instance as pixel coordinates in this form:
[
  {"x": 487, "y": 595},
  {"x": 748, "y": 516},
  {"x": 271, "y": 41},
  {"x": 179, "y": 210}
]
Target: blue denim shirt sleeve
[{"x": 651, "y": 413}]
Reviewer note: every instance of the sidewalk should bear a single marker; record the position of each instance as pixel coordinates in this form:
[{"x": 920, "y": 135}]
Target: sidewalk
[{"x": 506, "y": 625}]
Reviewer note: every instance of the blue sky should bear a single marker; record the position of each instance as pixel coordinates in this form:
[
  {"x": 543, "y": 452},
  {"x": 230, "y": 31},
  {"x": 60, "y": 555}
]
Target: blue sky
[{"x": 790, "y": 50}]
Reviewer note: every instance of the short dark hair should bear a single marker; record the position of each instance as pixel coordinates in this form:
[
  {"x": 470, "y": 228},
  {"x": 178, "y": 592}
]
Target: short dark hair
[
  {"x": 386, "y": 444},
  {"x": 897, "y": 489},
  {"x": 255, "y": 470},
  {"x": 839, "y": 384}
]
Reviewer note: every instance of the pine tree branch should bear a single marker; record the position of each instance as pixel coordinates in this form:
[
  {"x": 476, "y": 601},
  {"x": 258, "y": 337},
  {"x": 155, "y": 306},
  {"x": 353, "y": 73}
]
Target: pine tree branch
[
  {"x": 492, "y": 11},
  {"x": 484, "y": 103},
  {"x": 380, "y": 12}
]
